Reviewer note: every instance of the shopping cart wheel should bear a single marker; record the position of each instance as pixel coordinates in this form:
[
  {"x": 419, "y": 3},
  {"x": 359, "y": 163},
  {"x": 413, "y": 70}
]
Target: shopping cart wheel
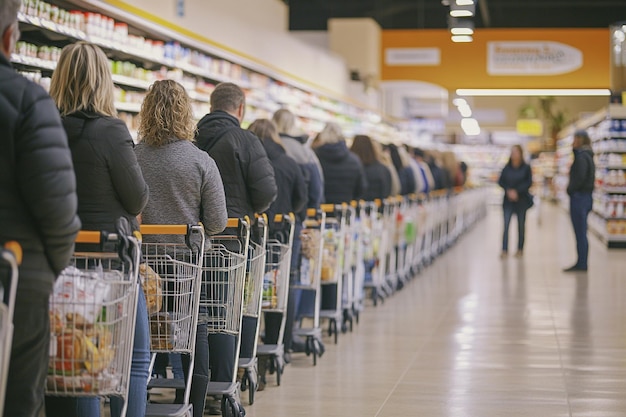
[
  {"x": 230, "y": 407},
  {"x": 279, "y": 372}
]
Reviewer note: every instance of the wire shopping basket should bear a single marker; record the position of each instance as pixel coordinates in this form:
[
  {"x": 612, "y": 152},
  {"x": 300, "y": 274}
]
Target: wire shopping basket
[
  {"x": 11, "y": 256},
  {"x": 92, "y": 319},
  {"x": 278, "y": 265}
]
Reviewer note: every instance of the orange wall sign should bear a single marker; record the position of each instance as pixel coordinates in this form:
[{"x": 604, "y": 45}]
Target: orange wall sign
[{"x": 499, "y": 58}]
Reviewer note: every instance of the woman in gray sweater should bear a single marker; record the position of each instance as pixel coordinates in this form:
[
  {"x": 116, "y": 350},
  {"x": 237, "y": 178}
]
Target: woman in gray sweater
[{"x": 185, "y": 188}]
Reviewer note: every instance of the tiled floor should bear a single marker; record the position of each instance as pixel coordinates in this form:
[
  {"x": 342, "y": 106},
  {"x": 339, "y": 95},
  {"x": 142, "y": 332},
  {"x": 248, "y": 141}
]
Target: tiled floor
[{"x": 476, "y": 336}]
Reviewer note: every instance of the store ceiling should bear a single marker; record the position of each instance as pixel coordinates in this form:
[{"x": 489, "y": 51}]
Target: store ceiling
[{"x": 432, "y": 14}]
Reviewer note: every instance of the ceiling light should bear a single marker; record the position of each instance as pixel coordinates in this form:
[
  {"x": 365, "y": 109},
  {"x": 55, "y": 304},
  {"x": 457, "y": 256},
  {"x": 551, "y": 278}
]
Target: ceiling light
[
  {"x": 466, "y": 10},
  {"x": 461, "y": 38},
  {"x": 459, "y": 102},
  {"x": 533, "y": 92},
  {"x": 464, "y": 2},
  {"x": 462, "y": 31},
  {"x": 465, "y": 111},
  {"x": 461, "y": 13},
  {"x": 470, "y": 127}
]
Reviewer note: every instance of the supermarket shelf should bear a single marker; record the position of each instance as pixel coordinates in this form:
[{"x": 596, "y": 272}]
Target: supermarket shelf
[
  {"x": 194, "y": 95},
  {"x": 131, "y": 82},
  {"x": 34, "y": 63},
  {"x": 614, "y": 190},
  {"x": 128, "y": 107},
  {"x": 598, "y": 226}
]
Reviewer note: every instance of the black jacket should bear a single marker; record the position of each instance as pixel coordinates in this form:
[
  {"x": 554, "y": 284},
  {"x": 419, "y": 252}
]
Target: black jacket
[
  {"x": 296, "y": 148},
  {"x": 37, "y": 185},
  {"x": 109, "y": 182},
  {"x": 247, "y": 173},
  {"x": 378, "y": 181},
  {"x": 519, "y": 179},
  {"x": 292, "y": 190},
  {"x": 582, "y": 173},
  {"x": 344, "y": 178}
]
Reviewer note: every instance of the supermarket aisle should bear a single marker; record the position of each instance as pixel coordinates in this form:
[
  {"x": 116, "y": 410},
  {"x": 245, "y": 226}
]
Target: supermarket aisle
[{"x": 477, "y": 336}]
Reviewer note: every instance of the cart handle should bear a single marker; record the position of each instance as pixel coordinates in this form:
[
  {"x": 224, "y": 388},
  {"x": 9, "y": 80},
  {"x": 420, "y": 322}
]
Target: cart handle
[
  {"x": 164, "y": 229},
  {"x": 312, "y": 212},
  {"x": 328, "y": 208},
  {"x": 86, "y": 236},
  {"x": 15, "y": 249}
]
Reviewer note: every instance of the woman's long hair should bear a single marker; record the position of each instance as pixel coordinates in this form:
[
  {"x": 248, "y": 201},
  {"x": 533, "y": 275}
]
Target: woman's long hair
[
  {"x": 265, "y": 129},
  {"x": 82, "y": 81}
]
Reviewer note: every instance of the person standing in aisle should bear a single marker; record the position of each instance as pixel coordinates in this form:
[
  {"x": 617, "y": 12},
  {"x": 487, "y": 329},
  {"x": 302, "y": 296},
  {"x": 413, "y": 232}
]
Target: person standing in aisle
[
  {"x": 344, "y": 178},
  {"x": 249, "y": 186},
  {"x": 580, "y": 189},
  {"x": 429, "y": 182},
  {"x": 377, "y": 175},
  {"x": 292, "y": 198},
  {"x": 516, "y": 179},
  {"x": 405, "y": 173},
  {"x": 38, "y": 207},
  {"x": 185, "y": 188},
  {"x": 110, "y": 185},
  {"x": 246, "y": 171}
]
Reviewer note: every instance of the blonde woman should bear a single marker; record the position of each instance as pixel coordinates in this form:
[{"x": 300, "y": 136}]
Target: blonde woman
[
  {"x": 344, "y": 177},
  {"x": 185, "y": 188},
  {"x": 109, "y": 185}
]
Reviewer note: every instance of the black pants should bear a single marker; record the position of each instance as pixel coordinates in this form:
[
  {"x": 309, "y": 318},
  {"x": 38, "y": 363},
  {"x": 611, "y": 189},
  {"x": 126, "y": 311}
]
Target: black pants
[
  {"x": 222, "y": 349},
  {"x": 520, "y": 212},
  {"x": 580, "y": 206},
  {"x": 29, "y": 355}
]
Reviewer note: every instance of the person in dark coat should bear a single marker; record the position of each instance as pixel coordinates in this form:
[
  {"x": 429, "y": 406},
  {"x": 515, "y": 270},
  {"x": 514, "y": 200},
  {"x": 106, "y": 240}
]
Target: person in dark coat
[
  {"x": 292, "y": 193},
  {"x": 292, "y": 198},
  {"x": 38, "y": 206},
  {"x": 516, "y": 179},
  {"x": 110, "y": 185},
  {"x": 344, "y": 178},
  {"x": 405, "y": 173},
  {"x": 296, "y": 147},
  {"x": 246, "y": 171},
  {"x": 580, "y": 190},
  {"x": 377, "y": 175}
]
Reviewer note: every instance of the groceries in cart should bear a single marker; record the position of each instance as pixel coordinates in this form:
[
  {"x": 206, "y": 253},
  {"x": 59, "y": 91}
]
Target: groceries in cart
[
  {"x": 310, "y": 239},
  {"x": 270, "y": 290},
  {"x": 82, "y": 321}
]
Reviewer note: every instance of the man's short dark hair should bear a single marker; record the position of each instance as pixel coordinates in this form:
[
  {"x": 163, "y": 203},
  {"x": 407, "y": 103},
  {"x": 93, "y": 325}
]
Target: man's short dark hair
[{"x": 227, "y": 97}]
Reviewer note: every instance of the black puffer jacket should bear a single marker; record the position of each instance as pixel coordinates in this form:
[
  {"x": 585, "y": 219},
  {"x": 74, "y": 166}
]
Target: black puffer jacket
[
  {"x": 246, "y": 171},
  {"x": 582, "y": 173},
  {"x": 109, "y": 182},
  {"x": 344, "y": 178},
  {"x": 292, "y": 190},
  {"x": 378, "y": 182},
  {"x": 37, "y": 184}
]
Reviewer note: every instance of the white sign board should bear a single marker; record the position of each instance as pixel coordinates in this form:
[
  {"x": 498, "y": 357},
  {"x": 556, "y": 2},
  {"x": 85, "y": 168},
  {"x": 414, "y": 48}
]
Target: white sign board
[
  {"x": 532, "y": 58},
  {"x": 413, "y": 56}
]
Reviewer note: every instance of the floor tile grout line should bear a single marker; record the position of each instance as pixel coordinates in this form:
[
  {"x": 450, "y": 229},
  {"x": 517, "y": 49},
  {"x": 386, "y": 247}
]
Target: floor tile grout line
[
  {"x": 417, "y": 354},
  {"x": 558, "y": 345}
]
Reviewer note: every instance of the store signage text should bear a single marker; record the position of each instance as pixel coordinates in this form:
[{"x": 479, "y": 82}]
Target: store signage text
[
  {"x": 532, "y": 58},
  {"x": 413, "y": 56}
]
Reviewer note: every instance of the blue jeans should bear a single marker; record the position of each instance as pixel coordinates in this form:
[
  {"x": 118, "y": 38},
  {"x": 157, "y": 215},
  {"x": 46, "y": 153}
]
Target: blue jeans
[
  {"x": 137, "y": 392},
  {"x": 580, "y": 205},
  {"x": 520, "y": 212}
]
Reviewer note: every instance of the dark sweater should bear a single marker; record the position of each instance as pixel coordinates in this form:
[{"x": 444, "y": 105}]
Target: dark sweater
[
  {"x": 378, "y": 182},
  {"x": 37, "y": 184},
  {"x": 519, "y": 179},
  {"x": 344, "y": 178},
  {"x": 582, "y": 172},
  {"x": 292, "y": 190}
]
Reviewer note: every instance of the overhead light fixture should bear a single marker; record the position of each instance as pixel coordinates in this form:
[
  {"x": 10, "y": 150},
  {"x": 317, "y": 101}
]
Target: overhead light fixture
[
  {"x": 462, "y": 31},
  {"x": 465, "y": 111},
  {"x": 470, "y": 126},
  {"x": 460, "y": 26},
  {"x": 465, "y": 10},
  {"x": 533, "y": 92},
  {"x": 464, "y": 2},
  {"x": 461, "y": 38},
  {"x": 459, "y": 102}
]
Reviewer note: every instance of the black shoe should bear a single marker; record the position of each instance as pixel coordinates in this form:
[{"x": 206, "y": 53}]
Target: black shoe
[{"x": 575, "y": 268}]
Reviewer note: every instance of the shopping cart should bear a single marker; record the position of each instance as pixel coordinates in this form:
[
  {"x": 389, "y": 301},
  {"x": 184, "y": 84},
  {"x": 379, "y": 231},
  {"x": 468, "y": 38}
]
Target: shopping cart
[
  {"x": 92, "y": 318},
  {"x": 276, "y": 291},
  {"x": 255, "y": 287},
  {"x": 170, "y": 275},
  {"x": 333, "y": 263},
  {"x": 374, "y": 252},
  {"x": 223, "y": 281},
  {"x": 390, "y": 232},
  {"x": 310, "y": 274},
  {"x": 10, "y": 257},
  {"x": 356, "y": 258},
  {"x": 351, "y": 240}
]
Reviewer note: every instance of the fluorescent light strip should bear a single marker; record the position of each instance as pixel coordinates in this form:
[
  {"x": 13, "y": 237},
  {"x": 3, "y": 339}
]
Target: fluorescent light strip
[
  {"x": 461, "y": 13},
  {"x": 533, "y": 92},
  {"x": 464, "y": 2},
  {"x": 461, "y": 38},
  {"x": 470, "y": 127},
  {"x": 462, "y": 31}
]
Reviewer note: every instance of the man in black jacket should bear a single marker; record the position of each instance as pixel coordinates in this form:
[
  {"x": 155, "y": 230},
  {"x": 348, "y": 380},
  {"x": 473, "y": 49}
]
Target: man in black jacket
[
  {"x": 249, "y": 186},
  {"x": 246, "y": 171},
  {"x": 38, "y": 210},
  {"x": 580, "y": 189}
]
